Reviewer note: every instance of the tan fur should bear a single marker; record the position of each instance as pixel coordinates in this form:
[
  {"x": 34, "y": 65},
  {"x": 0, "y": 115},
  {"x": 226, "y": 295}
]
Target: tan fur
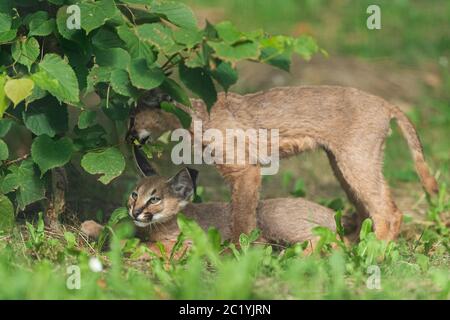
[
  {"x": 285, "y": 221},
  {"x": 350, "y": 125},
  {"x": 156, "y": 186}
]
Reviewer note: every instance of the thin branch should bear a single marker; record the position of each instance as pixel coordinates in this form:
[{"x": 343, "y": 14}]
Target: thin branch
[
  {"x": 169, "y": 60},
  {"x": 10, "y": 162},
  {"x": 13, "y": 117}
]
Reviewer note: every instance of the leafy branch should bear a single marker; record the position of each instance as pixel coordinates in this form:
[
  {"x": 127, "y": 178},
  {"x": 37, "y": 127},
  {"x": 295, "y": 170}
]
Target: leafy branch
[{"x": 124, "y": 49}]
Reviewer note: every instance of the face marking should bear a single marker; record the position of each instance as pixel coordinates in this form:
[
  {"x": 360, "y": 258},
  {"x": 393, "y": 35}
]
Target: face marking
[
  {"x": 157, "y": 200},
  {"x": 142, "y": 224},
  {"x": 143, "y": 134}
]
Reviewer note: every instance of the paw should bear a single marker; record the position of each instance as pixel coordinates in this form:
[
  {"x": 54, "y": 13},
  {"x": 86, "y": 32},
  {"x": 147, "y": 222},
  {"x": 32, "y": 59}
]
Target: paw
[{"x": 91, "y": 228}]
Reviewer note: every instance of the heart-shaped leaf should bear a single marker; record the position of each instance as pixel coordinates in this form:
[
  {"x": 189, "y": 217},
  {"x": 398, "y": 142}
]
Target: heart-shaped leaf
[
  {"x": 48, "y": 153},
  {"x": 57, "y": 77},
  {"x": 27, "y": 184},
  {"x": 25, "y": 51},
  {"x": 18, "y": 90},
  {"x": 144, "y": 77},
  {"x": 109, "y": 163}
]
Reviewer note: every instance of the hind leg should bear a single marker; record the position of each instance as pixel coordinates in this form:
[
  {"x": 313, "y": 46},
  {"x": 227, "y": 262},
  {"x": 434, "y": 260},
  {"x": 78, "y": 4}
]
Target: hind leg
[
  {"x": 396, "y": 222},
  {"x": 352, "y": 224},
  {"x": 364, "y": 183}
]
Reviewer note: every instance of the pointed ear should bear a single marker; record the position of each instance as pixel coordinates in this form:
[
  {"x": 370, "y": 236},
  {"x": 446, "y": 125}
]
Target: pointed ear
[
  {"x": 142, "y": 163},
  {"x": 194, "y": 174},
  {"x": 182, "y": 184}
]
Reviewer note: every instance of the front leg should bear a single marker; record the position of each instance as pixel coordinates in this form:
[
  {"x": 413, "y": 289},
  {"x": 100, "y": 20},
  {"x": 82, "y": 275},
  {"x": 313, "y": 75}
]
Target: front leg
[{"x": 245, "y": 183}]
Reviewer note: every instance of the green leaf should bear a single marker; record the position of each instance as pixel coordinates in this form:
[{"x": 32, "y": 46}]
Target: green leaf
[
  {"x": 116, "y": 58},
  {"x": 57, "y": 77},
  {"x": 48, "y": 153},
  {"x": 86, "y": 119},
  {"x": 8, "y": 36},
  {"x": 27, "y": 184},
  {"x": 18, "y": 89},
  {"x": 339, "y": 227},
  {"x": 8, "y": 24},
  {"x": 109, "y": 163},
  {"x": 305, "y": 46},
  {"x": 39, "y": 24},
  {"x": 105, "y": 39},
  {"x": 25, "y": 51},
  {"x": 36, "y": 94},
  {"x": 61, "y": 23},
  {"x": 6, "y": 214},
  {"x": 176, "y": 92},
  {"x": 5, "y": 126},
  {"x": 144, "y": 77},
  {"x": 4, "y": 102},
  {"x": 120, "y": 82},
  {"x": 135, "y": 46},
  {"x": 4, "y": 152},
  {"x": 5, "y": 22},
  {"x": 176, "y": 12},
  {"x": 274, "y": 57},
  {"x": 57, "y": 2},
  {"x": 225, "y": 75},
  {"x": 157, "y": 35},
  {"x": 89, "y": 138},
  {"x": 144, "y": 2},
  {"x": 95, "y": 14},
  {"x": 234, "y": 53},
  {"x": 182, "y": 115},
  {"x": 46, "y": 116},
  {"x": 5, "y": 16},
  {"x": 199, "y": 82},
  {"x": 117, "y": 109},
  {"x": 366, "y": 229},
  {"x": 97, "y": 75},
  {"x": 190, "y": 38},
  {"x": 228, "y": 32}
]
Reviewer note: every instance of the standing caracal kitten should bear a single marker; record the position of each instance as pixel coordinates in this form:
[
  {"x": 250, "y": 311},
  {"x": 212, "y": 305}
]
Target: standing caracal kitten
[{"x": 351, "y": 126}]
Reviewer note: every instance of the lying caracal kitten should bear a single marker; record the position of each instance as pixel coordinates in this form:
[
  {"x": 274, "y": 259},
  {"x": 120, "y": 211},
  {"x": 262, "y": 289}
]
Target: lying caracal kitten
[
  {"x": 351, "y": 126},
  {"x": 156, "y": 201}
]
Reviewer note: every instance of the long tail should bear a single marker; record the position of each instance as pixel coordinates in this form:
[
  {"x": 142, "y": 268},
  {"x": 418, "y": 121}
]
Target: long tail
[{"x": 409, "y": 132}]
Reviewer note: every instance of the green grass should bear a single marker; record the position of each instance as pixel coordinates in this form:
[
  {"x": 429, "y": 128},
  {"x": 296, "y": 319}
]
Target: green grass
[{"x": 34, "y": 262}]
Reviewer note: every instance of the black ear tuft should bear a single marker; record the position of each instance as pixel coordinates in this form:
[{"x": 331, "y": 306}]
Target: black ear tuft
[
  {"x": 142, "y": 163},
  {"x": 194, "y": 174},
  {"x": 131, "y": 132},
  {"x": 182, "y": 184}
]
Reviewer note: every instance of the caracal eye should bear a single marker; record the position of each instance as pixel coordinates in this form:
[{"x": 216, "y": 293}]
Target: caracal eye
[
  {"x": 134, "y": 195},
  {"x": 155, "y": 200}
]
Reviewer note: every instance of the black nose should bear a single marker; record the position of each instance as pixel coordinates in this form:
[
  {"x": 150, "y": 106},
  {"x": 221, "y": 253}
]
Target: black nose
[{"x": 137, "y": 212}]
